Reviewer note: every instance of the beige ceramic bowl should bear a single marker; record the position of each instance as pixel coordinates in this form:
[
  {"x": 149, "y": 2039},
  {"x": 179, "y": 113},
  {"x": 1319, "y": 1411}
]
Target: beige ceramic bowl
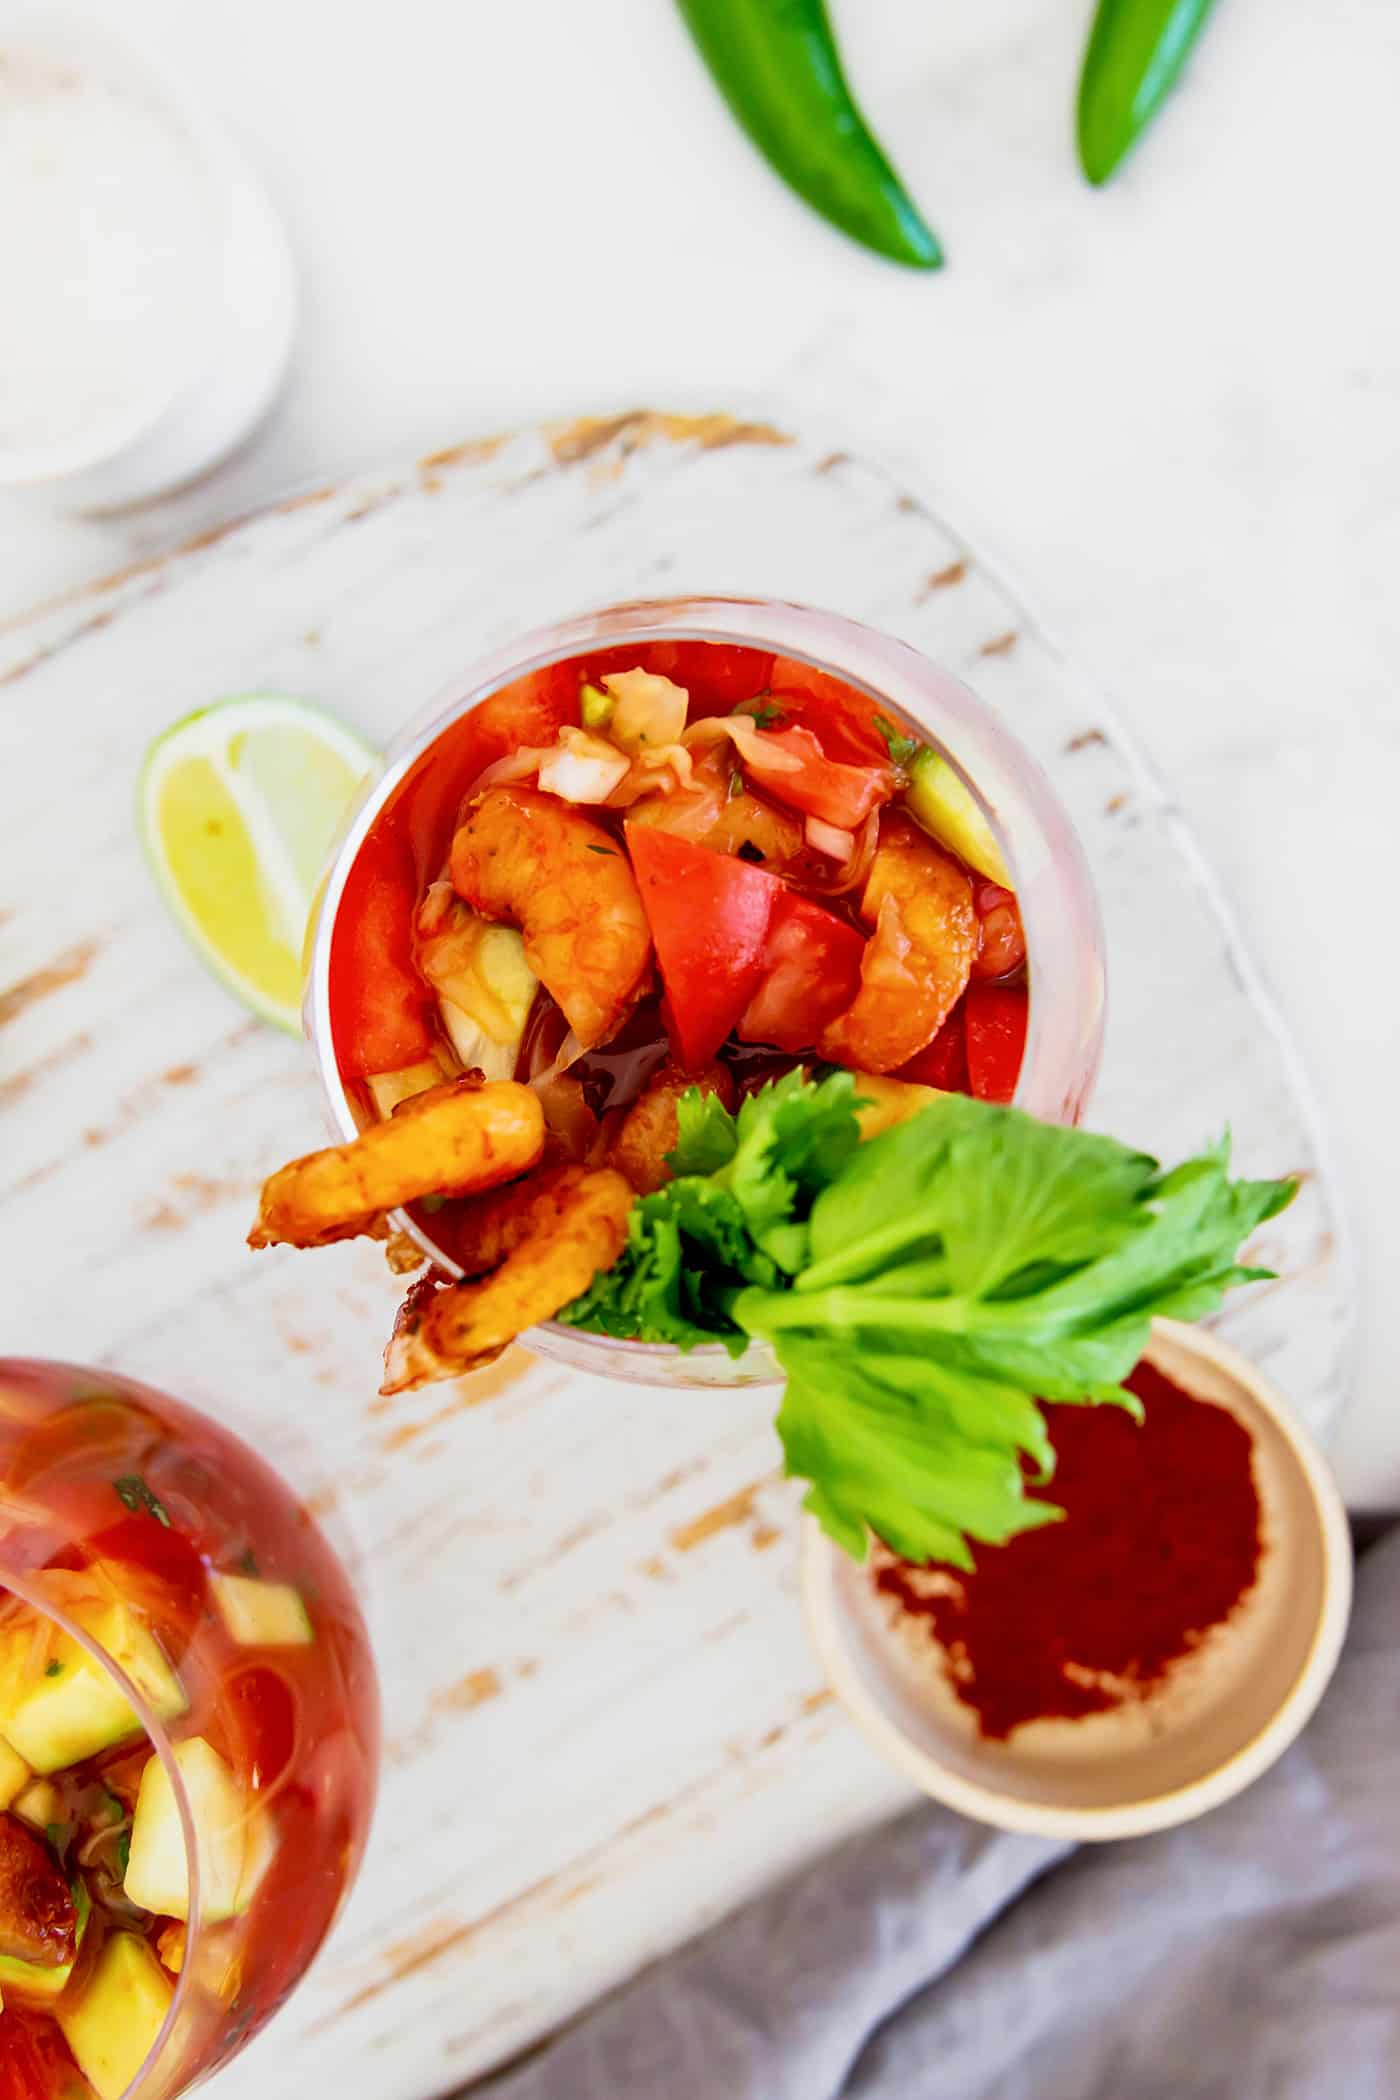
[{"x": 1223, "y": 1716}]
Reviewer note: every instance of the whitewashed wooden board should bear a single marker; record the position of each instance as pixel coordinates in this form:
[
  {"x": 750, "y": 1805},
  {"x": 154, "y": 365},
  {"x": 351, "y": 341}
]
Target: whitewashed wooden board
[{"x": 604, "y": 1727}]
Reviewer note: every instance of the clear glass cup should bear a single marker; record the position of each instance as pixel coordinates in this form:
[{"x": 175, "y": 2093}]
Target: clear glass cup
[
  {"x": 186, "y": 1690},
  {"x": 1058, "y": 906}
]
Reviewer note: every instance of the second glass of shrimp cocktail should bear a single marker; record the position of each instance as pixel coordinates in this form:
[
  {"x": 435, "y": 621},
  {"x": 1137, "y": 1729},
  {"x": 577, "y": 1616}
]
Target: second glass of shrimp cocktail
[
  {"x": 189, "y": 1739},
  {"x": 665, "y": 847}
]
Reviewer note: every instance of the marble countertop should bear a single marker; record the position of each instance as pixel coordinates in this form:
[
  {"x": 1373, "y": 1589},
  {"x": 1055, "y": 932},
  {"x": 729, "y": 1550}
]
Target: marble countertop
[{"x": 1173, "y": 408}]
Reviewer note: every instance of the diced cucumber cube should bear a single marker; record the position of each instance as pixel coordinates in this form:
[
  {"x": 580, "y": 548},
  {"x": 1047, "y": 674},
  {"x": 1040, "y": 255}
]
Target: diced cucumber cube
[
  {"x": 14, "y": 1774},
  {"x": 38, "y": 1804},
  {"x": 74, "y": 1710},
  {"x": 157, "y": 1876},
  {"x": 262, "y": 1614},
  {"x": 112, "y": 2026}
]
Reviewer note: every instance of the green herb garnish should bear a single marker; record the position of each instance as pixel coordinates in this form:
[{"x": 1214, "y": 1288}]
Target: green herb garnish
[
  {"x": 133, "y": 1492},
  {"x": 763, "y": 713},
  {"x": 736, "y": 785},
  {"x": 902, "y": 749},
  {"x": 607, "y": 851},
  {"x": 922, "y": 1292},
  {"x": 54, "y": 1668}
]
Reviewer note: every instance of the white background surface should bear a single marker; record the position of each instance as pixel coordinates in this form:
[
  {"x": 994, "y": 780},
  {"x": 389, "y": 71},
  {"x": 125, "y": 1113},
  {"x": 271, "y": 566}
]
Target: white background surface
[{"x": 1173, "y": 409}]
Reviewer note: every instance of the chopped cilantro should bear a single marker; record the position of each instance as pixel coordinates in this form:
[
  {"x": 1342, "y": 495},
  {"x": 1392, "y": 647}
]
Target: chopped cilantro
[
  {"x": 54, "y": 1669},
  {"x": 432, "y": 1202},
  {"x": 736, "y": 785},
  {"x": 608, "y": 851},
  {"x": 133, "y": 1492},
  {"x": 901, "y": 748},
  {"x": 764, "y": 715}
]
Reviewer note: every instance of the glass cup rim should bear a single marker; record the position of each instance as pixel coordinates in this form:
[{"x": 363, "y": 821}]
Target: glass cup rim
[
  {"x": 1060, "y": 1061},
  {"x": 23, "y": 1586}
]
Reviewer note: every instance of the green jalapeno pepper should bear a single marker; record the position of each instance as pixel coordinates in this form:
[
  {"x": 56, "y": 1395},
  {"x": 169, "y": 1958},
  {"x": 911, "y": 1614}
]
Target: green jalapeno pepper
[
  {"x": 777, "y": 66},
  {"x": 1136, "y": 50}
]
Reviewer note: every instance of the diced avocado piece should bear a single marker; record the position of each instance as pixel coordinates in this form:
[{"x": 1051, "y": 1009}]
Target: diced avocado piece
[
  {"x": 74, "y": 1710},
  {"x": 947, "y": 808},
  {"x": 38, "y": 1804},
  {"x": 157, "y": 1876},
  {"x": 595, "y": 706},
  {"x": 113, "y": 2024},
  {"x": 388, "y": 1089},
  {"x": 14, "y": 1773},
  {"x": 39, "y": 1985},
  {"x": 262, "y": 1614}
]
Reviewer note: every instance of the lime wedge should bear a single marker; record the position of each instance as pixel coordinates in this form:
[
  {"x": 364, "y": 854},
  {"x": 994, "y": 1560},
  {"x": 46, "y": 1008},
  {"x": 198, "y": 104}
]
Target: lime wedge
[{"x": 239, "y": 805}]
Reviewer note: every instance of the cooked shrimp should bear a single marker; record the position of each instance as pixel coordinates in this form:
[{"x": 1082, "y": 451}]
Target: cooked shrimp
[
  {"x": 451, "y": 1139},
  {"x": 574, "y": 1225},
  {"x": 566, "y": 883},
  {"x": 918, "y": 960},
  {"x": 651, "y": 1126},
  {"x": 38, "y": 1919},
  {"x": 488, "y": 1227}
]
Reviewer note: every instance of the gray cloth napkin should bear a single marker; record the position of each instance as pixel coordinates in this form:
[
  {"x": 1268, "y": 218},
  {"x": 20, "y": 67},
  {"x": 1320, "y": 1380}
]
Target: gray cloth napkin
[{"x": 1254, "y": 1955}]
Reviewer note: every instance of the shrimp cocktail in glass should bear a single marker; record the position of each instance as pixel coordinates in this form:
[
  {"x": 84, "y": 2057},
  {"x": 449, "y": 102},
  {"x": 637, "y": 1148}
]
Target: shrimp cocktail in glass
[
  {"x": 188, "y": 1739},
  {"x": 666, "y": 852}
]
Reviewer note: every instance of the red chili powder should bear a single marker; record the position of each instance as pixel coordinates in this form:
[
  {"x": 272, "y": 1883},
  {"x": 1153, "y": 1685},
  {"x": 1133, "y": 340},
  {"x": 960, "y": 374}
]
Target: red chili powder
[{"x": 1160, "y": 1541}]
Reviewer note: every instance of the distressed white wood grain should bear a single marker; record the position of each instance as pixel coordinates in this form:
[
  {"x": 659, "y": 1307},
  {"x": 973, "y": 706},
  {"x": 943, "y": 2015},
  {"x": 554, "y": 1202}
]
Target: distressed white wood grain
[{"x": 604, "y": 1726}]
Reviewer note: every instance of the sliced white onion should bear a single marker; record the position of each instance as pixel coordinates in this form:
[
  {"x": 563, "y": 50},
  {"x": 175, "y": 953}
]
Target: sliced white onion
[
  {"x": 568, "y": 1053},
  {"x": 516, "y": 765},
  {"x": 830, "y": 839},
  {"x": 753, "y": 746},
  {"x": 650, "y": 710},
  {"x": 582, "y": 768}
]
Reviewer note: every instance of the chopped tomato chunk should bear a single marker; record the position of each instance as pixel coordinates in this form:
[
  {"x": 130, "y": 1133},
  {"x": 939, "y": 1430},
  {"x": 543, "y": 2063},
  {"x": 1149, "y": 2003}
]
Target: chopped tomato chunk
[
  {"x": 801, "y": 775},
  {"x": 997, "y": 1015},
  {"x": 944, "y": 1062},
  {"x": 708, "y": 914},
  {"x": 379, "y": 1003},
  {"x": 1002, "y": 947},
  {"x": 845, "y": 721},
  {"x": 811, "y": 970}
]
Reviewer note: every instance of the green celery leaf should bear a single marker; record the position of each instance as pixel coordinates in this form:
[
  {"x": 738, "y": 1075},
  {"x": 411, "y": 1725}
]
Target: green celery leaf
[{"x": 879, "y": 1463}]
